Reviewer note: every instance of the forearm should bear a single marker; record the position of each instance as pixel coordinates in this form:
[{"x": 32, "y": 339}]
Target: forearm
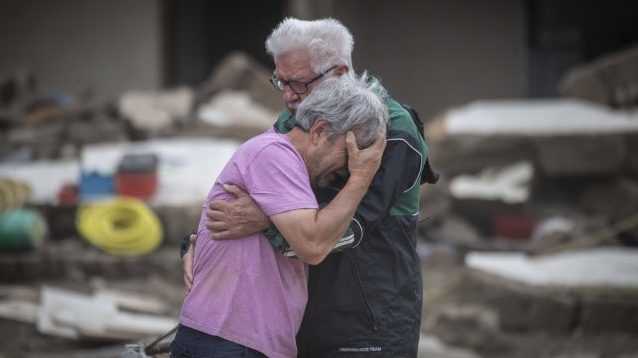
[{"x": 327, "y": 226}]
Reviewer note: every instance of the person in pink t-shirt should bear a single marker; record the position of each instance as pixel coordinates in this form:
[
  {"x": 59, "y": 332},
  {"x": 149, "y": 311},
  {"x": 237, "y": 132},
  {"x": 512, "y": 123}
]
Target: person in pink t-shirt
[{"x": 248, "y": 299}]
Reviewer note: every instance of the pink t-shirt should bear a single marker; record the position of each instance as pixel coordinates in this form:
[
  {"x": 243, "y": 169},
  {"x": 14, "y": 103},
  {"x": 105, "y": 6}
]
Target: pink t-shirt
[{"x": 243, "y": 290}]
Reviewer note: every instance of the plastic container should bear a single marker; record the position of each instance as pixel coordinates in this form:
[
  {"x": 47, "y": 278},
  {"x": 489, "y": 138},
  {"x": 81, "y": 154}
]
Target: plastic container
[
  {"x": 137, "y": 185},
  {"x": 137, "y": 176},
  {"x": 95, "y": 186}
]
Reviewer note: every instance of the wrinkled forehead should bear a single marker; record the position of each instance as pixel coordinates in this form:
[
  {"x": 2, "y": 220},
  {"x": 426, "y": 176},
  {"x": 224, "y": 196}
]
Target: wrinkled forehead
[{"x": 293, "y": 65}]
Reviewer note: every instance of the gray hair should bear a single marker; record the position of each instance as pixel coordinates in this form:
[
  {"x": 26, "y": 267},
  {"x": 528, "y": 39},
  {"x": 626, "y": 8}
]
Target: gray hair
[
  {"x": 347, "y": 104},
  {"x": 328, "y": 42}
]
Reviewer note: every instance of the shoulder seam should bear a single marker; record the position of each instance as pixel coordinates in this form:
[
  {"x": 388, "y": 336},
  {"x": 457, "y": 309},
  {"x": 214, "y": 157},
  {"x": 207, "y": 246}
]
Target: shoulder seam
[{"x": 416, "y": 180}]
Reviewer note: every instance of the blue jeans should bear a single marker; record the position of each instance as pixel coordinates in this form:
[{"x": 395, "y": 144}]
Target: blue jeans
[{"x": 190, "y": 343}]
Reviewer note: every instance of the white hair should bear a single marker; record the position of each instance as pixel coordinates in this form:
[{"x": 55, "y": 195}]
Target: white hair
[
  {"x": 346, "y": 104},
  {"x": 328, "y": 42}
]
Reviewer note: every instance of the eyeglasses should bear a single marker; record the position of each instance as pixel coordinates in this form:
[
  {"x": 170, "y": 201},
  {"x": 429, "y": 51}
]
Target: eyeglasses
[{"x": 296, "y": 86}]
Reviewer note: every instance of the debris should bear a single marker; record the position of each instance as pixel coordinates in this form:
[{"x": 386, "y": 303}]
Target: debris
[
  {"x": 71, "y": 315},
  {"x": 156, "y": 111},
  {"x": 20, "y": 311},
  {"x": 236, "y": 109},
  {"x": 95, "y": 186},
  {"x": 432, "y": 347},
  {"x": 121, "y": 226},
  {"x": 565, "y": 137},
  {"x": 239, "y": 72},
  {"x": 45, "y": 178},
  {"x": 13, "y": 194},
  {"x": 610, "y": 80},
  {"x": 601, "y": 267},
  {"x": 137, "y": 175},
  {"x": 554, "y": 231},
  {"x": 134, "y": 302},
  {"x": 469, "y": 326},
  {"x": 581, "y": 155},
  {"x": 21, "y": 230},
  {"x": 538, "y": 118},
  {"x": 456, "y": 231},
  {"x": 510, "y": 184}
]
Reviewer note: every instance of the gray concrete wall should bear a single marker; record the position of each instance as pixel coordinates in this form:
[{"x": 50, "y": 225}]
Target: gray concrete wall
[
  {"x": 74, "y": 45},
  {"x": 436, "y": 54}
]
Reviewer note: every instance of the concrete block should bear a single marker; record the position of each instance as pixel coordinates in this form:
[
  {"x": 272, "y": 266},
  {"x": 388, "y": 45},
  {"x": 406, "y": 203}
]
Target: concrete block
[{"x": 582, "y": 155}]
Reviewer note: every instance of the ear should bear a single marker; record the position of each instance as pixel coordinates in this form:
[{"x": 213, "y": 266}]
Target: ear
[
  {"x": 342, "y": 69},
  {"x": 318, "y": 131}
]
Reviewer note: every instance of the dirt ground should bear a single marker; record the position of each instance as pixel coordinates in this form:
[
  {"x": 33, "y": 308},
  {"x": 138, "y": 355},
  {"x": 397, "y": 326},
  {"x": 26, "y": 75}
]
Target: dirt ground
[{"x": 471, "y": 331}]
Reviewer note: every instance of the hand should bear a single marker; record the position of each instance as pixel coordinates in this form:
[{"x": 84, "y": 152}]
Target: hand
[
  {"x": 364, "y": 163},
  {"x": 187, "y": 264},
  {"x": 236, "y": 218}
]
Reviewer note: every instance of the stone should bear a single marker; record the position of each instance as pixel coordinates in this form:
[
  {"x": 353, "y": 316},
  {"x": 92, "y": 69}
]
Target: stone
[
  {"x": 461, "y": 154},
  {"x": 631, "y": 164},
  {"x": 469, "y": 326},
  {"x": 603, "y": 314},
  {"x": 239, "y": 72},
  {"x": 611, "y": 80},
  {"x": 154, "y": 112},
  {"x": 432, "y": 347},
  {"x": 582, "y": 155},
  {"x": 102, "y": 129},
  {"x": 455, "y": 231},
  {"x": 178, "y": 221}
]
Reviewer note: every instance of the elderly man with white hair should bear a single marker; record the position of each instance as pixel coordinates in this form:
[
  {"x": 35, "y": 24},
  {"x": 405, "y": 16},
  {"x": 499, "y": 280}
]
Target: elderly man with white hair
[{"x": 365, "y": 297}]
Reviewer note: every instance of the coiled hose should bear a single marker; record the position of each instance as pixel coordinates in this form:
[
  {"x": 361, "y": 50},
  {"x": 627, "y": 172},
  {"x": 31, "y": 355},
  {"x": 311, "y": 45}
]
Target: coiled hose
[
  {"x": 121, "y": 226},
  {"x": 13, "y": 194}
]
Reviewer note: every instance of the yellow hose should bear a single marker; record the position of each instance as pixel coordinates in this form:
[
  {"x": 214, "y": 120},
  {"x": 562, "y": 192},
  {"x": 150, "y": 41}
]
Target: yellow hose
[{"x": 121, "y": 226}]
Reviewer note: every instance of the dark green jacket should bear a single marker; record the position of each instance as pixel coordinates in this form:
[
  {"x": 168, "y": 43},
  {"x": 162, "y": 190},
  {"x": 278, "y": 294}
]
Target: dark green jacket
[{"x": 367, "y": 298}]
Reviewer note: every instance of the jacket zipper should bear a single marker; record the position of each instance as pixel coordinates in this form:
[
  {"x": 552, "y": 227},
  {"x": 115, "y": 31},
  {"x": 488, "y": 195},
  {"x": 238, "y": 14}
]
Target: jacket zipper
[{"x": 355, "y": 268}]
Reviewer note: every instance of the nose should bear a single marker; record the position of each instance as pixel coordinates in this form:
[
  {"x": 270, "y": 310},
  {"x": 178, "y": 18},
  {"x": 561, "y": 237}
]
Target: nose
[{"x": 289, "y": 95}]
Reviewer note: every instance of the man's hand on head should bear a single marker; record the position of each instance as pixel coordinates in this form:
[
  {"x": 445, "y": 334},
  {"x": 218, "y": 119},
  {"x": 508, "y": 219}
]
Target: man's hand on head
[
  {"x": 364, "y": 163},
  {"x": 235, "y": 218}
]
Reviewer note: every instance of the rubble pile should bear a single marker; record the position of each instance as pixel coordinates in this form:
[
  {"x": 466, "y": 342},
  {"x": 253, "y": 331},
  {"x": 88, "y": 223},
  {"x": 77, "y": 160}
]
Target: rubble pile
[
  {"x": 529, "y": 240},
  {"x": 611, "y": 80},
  {"x": 511, "y": 166},
  {"x": 109, "y": 189}
]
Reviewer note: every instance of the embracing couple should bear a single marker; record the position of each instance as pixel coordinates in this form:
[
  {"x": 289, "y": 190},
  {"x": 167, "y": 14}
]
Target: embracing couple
[{"x": 306, "y": 244}]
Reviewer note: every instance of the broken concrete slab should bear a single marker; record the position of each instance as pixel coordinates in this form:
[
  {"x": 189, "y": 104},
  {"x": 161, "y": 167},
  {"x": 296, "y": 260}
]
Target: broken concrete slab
[
  {"x": 610, "y": 80},
  {"x": 156, "y": 111},
  {"x": 615, "y": 198},
  {"x": 584, "y": 292},
  {"x": 631, "y": 165},
  {"x": 612, "y": 267},
  {"x": 564, "y": 137},
  {"x": 72, "y": 315},
  {"x": 131, "y": 301},
  {"x": 20, "y": 311},
  {"x": 581, "y": 155},
  {"x": 461, "y": 154},
  {"x": 510, "y": 184},
  {"x": 455, "y": 231},
  {"x": 96, "y": 131},
  {"x": 432, "y": 347},
  {"x": 236, "y": 109},
  {"x": 239, "y": 72},
  {"x": 468, "y": 326},
  {"x": 521, "y": 309}
]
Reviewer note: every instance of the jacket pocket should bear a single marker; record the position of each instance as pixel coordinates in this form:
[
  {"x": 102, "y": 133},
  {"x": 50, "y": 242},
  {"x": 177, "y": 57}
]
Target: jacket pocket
[{"x": 357, "y": 276}]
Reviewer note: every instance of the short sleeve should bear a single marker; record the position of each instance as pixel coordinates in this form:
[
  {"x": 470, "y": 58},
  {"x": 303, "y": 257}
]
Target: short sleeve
[{"x": 278, "y": 181}]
